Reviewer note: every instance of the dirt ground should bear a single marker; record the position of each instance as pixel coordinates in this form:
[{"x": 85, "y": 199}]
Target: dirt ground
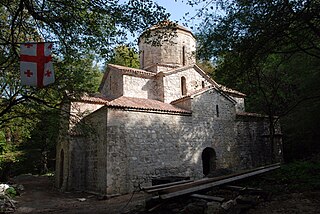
[
  {"x": 40, "y": 196},
  {"x": 291, "y": 203}
]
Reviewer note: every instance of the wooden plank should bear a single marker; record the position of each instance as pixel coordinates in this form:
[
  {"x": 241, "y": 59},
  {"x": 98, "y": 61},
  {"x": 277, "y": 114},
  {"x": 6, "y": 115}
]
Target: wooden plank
[
  {"x": 208, "y": 197},
  {"x": 156, "y": 207},
  {"x": 215, "y": 183},
  {"x": 175, "y": 188},
  {"x": 242, "y": 188},
  {"x": 162, "y": 186}
]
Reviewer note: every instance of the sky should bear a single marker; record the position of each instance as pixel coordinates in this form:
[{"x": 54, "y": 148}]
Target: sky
[{"x": 178, "y": 9}]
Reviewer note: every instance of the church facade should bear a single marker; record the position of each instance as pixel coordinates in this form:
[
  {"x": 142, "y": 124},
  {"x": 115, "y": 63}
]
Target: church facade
[{"x": 168, "y": 118}]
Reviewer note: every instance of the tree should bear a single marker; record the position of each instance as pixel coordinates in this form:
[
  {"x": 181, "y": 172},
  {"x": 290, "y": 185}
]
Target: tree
[
  {"x": 83, "y": 31},
  {"x": 123, "y": 55},
  {"x": 268, "y": 49},
  {"x": 207, "y": 66},
  {"x": 79, "y": 29},
  {"x": 257, "y": 28}
]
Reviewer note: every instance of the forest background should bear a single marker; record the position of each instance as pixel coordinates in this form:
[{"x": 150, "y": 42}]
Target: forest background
[{"x": 268, "y": 50}]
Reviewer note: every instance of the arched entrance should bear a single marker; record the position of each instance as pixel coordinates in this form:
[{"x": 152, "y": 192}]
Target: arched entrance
[
  {"x": 61, "y": 168},
  {"x": 208, "y": 160}
]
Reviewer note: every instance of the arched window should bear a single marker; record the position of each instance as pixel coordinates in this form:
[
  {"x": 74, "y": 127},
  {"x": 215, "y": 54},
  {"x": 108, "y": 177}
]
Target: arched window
[
  {"x": 110, "y": 83},
  {"x": 202, "y": 83},
  {"x": 183, "y": 86},
  {"x": 183, "y": 55}
]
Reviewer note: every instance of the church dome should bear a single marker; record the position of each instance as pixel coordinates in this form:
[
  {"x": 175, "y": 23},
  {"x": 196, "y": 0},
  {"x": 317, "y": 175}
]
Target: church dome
[{"x": 167, "y": 44}]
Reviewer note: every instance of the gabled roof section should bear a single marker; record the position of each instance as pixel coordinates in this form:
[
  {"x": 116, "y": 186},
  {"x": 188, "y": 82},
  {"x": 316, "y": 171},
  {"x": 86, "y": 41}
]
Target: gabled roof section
[
  {"x": 199, "y": 70},
  {"x": 135, "y": 104},
  {"x": 125, "y": 70},
  {"x": 223, "y": 88},
  {"x": 201, "y": 91}
]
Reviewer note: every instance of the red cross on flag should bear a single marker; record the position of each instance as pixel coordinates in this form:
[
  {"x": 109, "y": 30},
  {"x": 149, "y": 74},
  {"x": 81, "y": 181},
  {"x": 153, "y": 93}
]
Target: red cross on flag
[{"x": 36, "y": 67}]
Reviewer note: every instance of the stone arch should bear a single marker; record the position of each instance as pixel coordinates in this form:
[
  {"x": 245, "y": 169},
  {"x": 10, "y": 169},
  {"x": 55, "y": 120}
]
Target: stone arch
[
  {"x": 208, "y": 160},
  {"x": 61, "y": 165}
]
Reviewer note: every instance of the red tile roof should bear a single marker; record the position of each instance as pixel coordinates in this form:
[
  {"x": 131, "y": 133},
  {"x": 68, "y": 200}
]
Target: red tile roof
[
  {"x": 135, "y": 103},
  {"x": 131, "y": 70}
]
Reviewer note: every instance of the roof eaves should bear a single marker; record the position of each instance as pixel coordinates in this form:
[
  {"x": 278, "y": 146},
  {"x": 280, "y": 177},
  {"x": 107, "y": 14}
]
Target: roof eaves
[
  {"x": 180, "y": 99},
  {"x": 129, "y": 71},
  {"x": 150, "y": 110},
  {"x": 231, "y": 91},
  {"x": 104, "y": 79},
  {"x": 216, "y": 89}
]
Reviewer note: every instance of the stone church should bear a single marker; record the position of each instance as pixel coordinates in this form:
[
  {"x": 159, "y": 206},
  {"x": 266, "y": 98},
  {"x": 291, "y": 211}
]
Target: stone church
[{"x": 168, "y": 118}]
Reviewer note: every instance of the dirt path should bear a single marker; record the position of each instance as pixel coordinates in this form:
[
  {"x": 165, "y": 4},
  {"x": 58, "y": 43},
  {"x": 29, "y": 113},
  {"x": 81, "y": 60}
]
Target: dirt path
[{"x": 40, "y": 196}]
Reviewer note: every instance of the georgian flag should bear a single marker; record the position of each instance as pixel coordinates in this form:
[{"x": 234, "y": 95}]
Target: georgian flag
[{"x": 36, "y": 67}]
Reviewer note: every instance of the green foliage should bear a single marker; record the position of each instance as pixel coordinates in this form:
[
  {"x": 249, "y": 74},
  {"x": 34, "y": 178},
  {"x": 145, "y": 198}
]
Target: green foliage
[
  {"x": 257, "y": 28},
  {"x": 80, "y": 29},
  {"x": 208, "y": 67},
  {"x": 123, "y": 55},
  {"x": 83, "y": 32},
  {"x": 11, "y": 192},
  {"x": 297, "y": 176},
  {"x": 270, "y": 51}
]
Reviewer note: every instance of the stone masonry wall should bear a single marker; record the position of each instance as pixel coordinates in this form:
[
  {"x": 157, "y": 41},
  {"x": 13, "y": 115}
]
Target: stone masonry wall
[
  {"x": 130, "y": 148},
  {"x": 141, "y": 87},
  {"x": 172, "y": 83},
  {"x": 87, "y": 161},
  {"x": 113, "y": 86},
  {"x": 253, "y": 142},
  {"x": 143, "y": 146},
  {"x": 79, "y": 110},
  {"x": 240, "y": 107},
  {"x": 170, "y": 52}
]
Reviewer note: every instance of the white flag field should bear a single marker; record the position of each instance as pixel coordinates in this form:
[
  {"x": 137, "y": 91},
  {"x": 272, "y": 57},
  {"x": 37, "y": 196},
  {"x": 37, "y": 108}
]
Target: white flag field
[{"x": 36, "y": 68}]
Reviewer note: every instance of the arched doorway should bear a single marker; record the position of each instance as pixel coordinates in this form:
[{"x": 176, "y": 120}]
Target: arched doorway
[
  {"x": 208, "y": 160},
  {"x": 61, "y": 168}
]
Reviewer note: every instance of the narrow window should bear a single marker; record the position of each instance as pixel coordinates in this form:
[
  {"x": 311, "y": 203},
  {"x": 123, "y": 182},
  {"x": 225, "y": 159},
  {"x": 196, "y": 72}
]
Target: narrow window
[
  {"x": 183, "y": 86},
  {"x": 110, "y": 83},
  {"x": 183, "y": 55},
  {"x": 202, "y": 83},
  {"x": 142, "y": 59},
  {"x": 217, "y": 110}
]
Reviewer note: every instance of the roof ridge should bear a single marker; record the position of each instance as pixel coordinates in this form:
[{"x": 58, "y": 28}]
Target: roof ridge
[
  {"x": 135, "y": 70},
  {"x": 230, "y": 90},
  {"x": 135, "y": 103}
]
